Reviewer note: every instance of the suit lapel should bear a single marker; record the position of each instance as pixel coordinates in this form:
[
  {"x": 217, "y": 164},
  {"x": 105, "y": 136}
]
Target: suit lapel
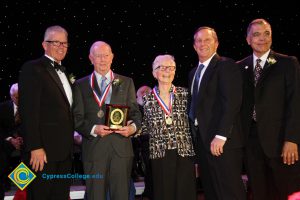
[
  {"x": 206, "y": 76},
  {"x": 53, "y": 74},
  {"x": 248, "y": 70},
  {"x": 96, "y": 87},
  {"x": 114, "y": 93},
  {"x": 11, "y": 114},
  {"x": 267, "y": 68}
]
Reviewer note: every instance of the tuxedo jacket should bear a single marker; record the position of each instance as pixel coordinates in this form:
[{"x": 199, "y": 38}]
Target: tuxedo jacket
[
  {"x": 218, "y": 102},
  {"x": 45, "y": 111},
  {"x": 85, "y": 114},
  {"x": 276, "y": 99}
]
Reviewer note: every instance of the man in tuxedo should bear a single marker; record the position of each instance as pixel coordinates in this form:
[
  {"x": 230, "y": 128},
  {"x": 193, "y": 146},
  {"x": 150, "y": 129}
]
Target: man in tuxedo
[
  {"x": 216, "y": 94},
  {"x": 47, "y": 121},
  {"x": 270, "y": 116},
  {"x": 106, "y": 152}
]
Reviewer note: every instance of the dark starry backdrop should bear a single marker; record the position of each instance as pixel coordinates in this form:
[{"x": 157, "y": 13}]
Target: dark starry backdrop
[{"x": 137, "y": 32}]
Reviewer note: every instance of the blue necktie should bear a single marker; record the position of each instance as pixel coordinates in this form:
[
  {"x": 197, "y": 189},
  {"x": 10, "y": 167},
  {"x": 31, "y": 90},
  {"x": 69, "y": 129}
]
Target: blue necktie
[
  {"x": 192, "y": 111},
  {"x": 103, "y": 84}
]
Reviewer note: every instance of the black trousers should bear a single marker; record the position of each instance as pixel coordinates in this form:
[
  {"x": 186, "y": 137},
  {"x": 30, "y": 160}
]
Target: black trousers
[
  {"x": 269, "y": 178},
  {"x": 56, "y": 189},
  {"x": 173, "y": 177}
]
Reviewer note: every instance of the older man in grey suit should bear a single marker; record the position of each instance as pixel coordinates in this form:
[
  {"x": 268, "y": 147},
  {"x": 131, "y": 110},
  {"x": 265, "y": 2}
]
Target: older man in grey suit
[{"x": 105, "y": 151}]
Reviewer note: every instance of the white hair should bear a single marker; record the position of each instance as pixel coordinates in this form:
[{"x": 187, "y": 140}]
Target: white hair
[{"x": 13, "y": 89}]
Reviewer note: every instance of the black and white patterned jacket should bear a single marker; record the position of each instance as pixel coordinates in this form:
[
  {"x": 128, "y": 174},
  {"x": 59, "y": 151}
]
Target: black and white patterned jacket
[{"x": 163, "y": 136}]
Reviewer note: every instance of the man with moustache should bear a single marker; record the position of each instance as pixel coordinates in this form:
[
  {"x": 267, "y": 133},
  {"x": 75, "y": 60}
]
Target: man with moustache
[{"x": 270, "y": 116}]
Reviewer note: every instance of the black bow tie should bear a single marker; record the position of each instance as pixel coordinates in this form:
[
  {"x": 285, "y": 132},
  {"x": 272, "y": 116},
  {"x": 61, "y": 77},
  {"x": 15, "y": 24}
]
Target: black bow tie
[{"x": 58, "y": 67}]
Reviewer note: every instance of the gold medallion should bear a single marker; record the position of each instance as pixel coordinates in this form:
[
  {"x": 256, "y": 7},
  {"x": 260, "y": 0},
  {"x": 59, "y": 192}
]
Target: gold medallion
[
  {"x": 100, "y": 114},
  {"x": 168, "y": 120},
  {"x": 117, "y": 116}
]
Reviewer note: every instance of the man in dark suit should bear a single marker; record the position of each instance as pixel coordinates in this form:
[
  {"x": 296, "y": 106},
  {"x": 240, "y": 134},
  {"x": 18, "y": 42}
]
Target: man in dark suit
[
  {"x": 3, "y": 166},
  {"x": 9, "y": 130},
  {"x": 270, "y": 116},
  {"x": 216, "y": 93},
  {"x": 105, "y": 151},
  {"x": 10, "y": 120},
  {"x": 47, "y": 120}
]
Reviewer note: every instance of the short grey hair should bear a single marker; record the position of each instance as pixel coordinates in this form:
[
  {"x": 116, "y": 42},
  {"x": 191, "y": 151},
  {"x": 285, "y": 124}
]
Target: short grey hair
[
  {"x": 257, "y": 21},
  {"x": 99, "y": 43},
  {"x": 54, "y": 29},
  {"x": 157, "y": 61},
  {"x": 214, "y": 33}
]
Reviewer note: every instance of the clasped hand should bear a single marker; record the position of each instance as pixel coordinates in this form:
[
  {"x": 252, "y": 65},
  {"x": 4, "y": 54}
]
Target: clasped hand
[{"x": 125, "y": 131}]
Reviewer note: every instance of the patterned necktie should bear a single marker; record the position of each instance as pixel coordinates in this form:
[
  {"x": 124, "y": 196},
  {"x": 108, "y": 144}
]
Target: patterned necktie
[
  {"x": 257, "y": 73},
  {"x": 17, "y": 117},
  {"x": 192, "y": 111},
  {"x": 103, "y": 84}
]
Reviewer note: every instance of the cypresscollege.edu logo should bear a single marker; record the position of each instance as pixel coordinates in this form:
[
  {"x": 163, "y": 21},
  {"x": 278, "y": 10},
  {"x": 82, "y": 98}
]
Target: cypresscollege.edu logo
[{"x": 22, "y": 176}]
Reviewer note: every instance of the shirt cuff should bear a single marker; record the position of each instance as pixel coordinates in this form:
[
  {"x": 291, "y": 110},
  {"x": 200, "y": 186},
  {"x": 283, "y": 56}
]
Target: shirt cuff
[
  {"x": 134, "y": 126},
  {"x": 8, "y": 139},
  {"x": 221, "y": 137},
  {"x": 92, "y": 131}
]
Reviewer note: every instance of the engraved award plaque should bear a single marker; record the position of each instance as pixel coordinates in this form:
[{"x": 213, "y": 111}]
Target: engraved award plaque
[{"x": 116, "y": 116}]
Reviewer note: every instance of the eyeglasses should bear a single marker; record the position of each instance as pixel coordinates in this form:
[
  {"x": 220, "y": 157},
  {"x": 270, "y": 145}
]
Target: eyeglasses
[
  {"x": 164, "y": 68},
  {"x": 58, "y": 43}
]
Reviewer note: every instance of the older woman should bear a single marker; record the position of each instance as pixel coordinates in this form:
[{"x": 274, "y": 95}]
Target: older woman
[{"x": 166, "y": 121}]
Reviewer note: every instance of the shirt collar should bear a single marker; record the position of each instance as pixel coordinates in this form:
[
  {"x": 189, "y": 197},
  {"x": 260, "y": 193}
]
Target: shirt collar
[
  {"x": 52, "y": 59},
  {"x": 206, "y": 63},
  {"x": 263, "y": 58},
  {"x": 107, "y": 75}
]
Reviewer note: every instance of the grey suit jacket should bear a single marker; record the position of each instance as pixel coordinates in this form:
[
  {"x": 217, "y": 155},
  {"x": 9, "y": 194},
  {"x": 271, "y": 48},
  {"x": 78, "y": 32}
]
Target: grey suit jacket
[{"x": 85, "y": 114}]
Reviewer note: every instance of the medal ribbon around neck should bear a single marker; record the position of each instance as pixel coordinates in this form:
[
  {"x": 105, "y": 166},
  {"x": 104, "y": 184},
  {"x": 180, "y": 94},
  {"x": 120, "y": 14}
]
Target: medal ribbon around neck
[
  {"x": 166, "y": 109},
  {"x": 100, "y": 99}
]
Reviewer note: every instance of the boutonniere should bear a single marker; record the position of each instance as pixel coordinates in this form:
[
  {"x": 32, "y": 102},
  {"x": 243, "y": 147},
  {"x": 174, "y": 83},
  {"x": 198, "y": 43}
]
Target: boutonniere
[
  {"x": 116, "y": 82},
  {"x": 271, "y": 60},
  {"x": 72, "y": 78}
]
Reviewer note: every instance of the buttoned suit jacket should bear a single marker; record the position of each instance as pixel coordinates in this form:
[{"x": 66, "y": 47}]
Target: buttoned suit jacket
[
  {"x": 7, "y": 119},
  {"x": 276, "y": 98},
  {"x": 85, "y": 113},
  {"x": 218, "y": 103}
]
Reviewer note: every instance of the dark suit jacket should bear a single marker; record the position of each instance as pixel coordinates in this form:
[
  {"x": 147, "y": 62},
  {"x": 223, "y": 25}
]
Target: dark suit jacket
[
  {"x": 85, "y": 113},
  {"x": 5, "y": 150},
  {"x": 8, "y": 127},
  {"x": 277, "y": 101},
  {"x": 218, "y": 102},
  {"x": 45, "y": 111}
]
